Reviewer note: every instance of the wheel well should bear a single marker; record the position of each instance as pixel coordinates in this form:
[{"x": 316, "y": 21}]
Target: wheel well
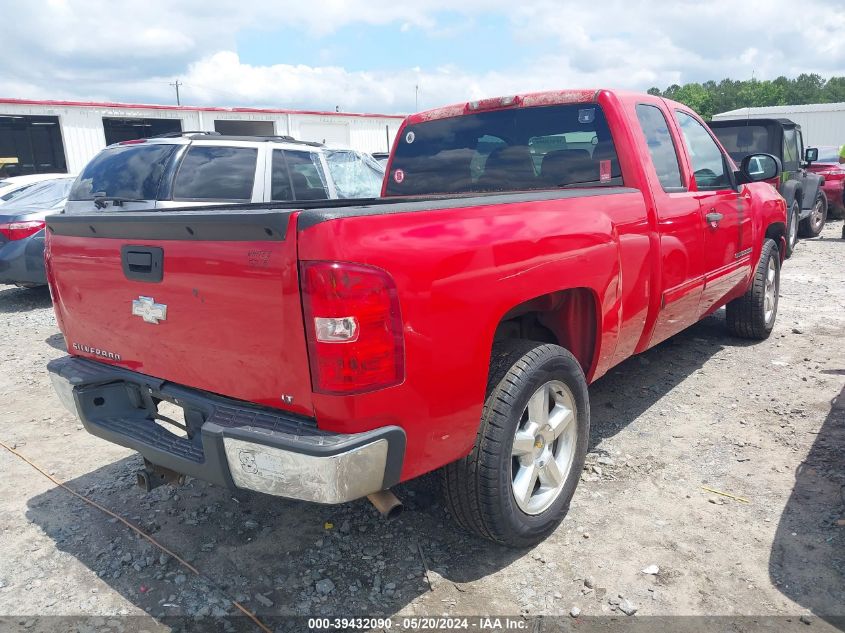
[
  {"x": 566, "y": 318},
  {"x": 777, "y": 232}
]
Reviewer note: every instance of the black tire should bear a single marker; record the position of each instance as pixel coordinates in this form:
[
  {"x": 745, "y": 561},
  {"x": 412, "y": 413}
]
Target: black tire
[
  {"x": 813, "y": 224},
  {"x": 746, "y": 315},
  {"x": 478, "y": 489},
  {"x": 792, "y": 221}
]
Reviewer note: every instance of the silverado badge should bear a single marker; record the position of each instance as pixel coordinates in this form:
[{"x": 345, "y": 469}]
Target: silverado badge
[{"x": 149, "y": 310}]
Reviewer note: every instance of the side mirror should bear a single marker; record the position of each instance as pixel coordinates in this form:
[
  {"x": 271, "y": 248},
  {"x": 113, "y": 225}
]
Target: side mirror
[
  {"x": 757, "y": 167},
  {"x": 811, "y": 155}
]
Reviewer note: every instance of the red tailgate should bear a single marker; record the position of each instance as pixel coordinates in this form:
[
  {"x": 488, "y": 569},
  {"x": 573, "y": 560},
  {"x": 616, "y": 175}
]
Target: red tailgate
[{"x": 228, "y": 295}]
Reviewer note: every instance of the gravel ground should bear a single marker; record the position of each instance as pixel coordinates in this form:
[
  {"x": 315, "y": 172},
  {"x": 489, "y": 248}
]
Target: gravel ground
[{"x": 765, "y": 422}]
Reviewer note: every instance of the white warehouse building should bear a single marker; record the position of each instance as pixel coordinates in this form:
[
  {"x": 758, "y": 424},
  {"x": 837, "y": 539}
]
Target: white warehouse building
[
  {"x": 62, "y": 136},
  {"x": 821, "y": 123}
]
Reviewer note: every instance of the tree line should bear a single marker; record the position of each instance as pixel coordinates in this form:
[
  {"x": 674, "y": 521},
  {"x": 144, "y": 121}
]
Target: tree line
[{"x": 711, "y": 98}]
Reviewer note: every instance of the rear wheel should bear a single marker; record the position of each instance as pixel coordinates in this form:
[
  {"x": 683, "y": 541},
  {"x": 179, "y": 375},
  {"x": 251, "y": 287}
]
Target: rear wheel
[
  {"x": 812, "y": 225},
  {"x": 753, "y": 314},
  {"x": 515, "y": 485},
  {"x": 792, "y": 228}
]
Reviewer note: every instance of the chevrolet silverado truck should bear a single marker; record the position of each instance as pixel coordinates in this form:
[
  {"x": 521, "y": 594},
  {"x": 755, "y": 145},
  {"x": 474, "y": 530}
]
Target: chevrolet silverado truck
[{"x": 329, "y": 350}]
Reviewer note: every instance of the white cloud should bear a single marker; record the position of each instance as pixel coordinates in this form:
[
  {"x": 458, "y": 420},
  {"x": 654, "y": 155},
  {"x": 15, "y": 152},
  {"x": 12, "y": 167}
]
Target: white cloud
[{"x": 96, "y": 49}]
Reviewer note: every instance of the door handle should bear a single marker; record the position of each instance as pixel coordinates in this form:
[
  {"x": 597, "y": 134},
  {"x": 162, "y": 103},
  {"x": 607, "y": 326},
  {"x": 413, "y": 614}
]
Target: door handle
[{"x": 713, "y": 218}]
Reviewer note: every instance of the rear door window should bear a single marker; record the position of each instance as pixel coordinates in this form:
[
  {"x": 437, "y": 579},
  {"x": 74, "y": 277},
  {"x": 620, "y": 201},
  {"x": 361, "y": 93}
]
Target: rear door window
[
  {"x": 514, "y": 149},
  {"x": 129, "y": 171},
  {"x": 306, "y": 175},
  {"x": 661, "y": 147},
  {"x": 213, "y": 172}
]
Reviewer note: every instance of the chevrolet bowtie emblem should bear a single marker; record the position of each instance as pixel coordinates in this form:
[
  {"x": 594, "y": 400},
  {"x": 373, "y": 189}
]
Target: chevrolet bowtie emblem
[{"x": 149, "y": 310}]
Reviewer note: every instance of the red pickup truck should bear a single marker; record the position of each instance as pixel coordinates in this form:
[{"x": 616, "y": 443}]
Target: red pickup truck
[{"x": 327, "y": 350}]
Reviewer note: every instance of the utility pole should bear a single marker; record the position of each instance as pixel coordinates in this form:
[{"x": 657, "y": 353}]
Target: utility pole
[
  {"x": 417, "y": 97},
  {"x": 176, "y": 85}
]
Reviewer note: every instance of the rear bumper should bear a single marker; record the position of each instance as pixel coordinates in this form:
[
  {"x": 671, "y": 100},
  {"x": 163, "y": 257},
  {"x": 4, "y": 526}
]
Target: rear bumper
[
  {"x": 229, "y": 443},
  {"x": 22, "y": 261}
]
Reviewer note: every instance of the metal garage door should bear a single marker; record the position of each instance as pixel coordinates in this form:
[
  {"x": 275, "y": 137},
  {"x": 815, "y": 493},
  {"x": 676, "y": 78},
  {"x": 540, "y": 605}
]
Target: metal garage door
[{"x": 31, "y": 145}]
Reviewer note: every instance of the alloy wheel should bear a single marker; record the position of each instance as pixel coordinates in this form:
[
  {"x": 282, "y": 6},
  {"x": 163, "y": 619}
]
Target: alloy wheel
[{"x": 543, "y": 447}]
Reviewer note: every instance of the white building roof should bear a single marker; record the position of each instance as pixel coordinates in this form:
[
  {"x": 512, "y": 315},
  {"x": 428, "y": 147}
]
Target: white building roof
[{"x": 774, "y": 111}]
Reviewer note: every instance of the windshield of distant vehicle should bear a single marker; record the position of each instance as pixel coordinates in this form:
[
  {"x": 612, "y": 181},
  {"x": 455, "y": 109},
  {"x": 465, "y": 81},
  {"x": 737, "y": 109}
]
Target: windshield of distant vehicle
[
  {"x": 516, "y": 149},
  {"x": 828, "y": 154},
  {"x": 125, "y": 171},
  {"x": 742, "y": 140},
  {"x": 355, "y": 175},
  {"x": 44, "y": 195}
]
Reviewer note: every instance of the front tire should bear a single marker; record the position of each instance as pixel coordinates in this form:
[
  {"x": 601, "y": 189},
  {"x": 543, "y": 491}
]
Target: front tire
[
  {"x": 515, "y": 486},
  {"x": 792, "y": 228},
  {"x": 813, "y": 224},
  {"x": 753, "y": 314}
]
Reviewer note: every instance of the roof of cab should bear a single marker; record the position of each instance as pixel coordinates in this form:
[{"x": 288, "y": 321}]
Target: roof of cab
[{"x": 550, "y": 97}]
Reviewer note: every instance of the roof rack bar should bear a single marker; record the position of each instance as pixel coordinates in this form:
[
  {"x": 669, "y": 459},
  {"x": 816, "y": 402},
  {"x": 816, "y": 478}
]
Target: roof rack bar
[{"x": 185, "y": 133}]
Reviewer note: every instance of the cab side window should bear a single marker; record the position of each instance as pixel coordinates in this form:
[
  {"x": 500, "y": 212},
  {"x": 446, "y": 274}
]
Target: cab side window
[
  {"x": 664, "y": 155},
  {"x": 708, "y": 163}
]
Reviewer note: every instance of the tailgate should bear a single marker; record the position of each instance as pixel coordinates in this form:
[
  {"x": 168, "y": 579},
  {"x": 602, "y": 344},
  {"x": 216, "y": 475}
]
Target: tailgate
[{"x": 207, "y": 299}]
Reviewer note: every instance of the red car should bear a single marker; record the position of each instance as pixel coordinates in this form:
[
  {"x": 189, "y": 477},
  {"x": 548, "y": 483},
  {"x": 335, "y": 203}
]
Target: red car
[
  {"x": 828, "y": 165},
  {"x": 328, "y": 350}
]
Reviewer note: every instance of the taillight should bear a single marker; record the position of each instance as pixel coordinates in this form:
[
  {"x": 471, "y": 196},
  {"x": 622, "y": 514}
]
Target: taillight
[
  {"x": 19, "y": 230},
  {"x": 354, "y": 327}
]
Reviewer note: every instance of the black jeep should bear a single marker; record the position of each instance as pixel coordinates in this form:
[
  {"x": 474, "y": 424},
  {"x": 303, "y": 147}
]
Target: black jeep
[{"x": 801, "y": 188}]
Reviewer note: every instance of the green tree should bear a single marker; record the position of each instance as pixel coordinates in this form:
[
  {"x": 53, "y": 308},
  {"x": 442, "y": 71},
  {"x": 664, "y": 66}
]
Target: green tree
[{"x": 711, "y": 98}]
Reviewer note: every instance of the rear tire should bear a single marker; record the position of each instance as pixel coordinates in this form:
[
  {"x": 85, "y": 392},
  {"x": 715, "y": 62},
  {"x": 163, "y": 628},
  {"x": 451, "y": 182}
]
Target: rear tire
[
  {"x": 812, "y": 225},
  {"x": 753, "y": 314},
  {"x": 515, "y": 486},
  {"x": 792, "y": 228}
]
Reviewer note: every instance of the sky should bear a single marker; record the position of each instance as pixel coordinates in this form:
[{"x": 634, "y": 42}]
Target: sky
[{"x": 397, "y": 57}]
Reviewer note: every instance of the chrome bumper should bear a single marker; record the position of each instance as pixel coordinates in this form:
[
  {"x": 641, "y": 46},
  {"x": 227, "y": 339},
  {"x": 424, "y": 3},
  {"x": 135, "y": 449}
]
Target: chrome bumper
[{"x": 229, "y": 443}]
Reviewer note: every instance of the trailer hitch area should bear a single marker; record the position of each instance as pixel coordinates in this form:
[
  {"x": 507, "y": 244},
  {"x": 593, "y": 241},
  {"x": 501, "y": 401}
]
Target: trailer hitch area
[{"x": 152, "y": 476}]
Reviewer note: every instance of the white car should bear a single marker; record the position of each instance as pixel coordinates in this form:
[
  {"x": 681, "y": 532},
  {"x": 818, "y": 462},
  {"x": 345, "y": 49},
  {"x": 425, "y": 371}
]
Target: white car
[
  {"x": 11, "y": 188},
  {"x": 201, "y": 168}
]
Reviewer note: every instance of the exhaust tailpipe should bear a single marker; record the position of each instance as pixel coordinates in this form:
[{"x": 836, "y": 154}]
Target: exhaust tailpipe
[{"x": 386, "y": 503}]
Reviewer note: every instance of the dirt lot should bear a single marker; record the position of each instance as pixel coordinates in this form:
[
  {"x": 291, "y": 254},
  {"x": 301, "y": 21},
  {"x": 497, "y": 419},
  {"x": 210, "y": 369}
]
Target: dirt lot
[{"x": 759, "y": 421}]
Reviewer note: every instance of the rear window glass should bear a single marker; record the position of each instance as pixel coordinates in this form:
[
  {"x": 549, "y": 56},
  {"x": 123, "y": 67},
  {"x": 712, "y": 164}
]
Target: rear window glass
[
  {"x": 216, "y": 173},
  {"x": 741, "y": 140},
  {"x": 506, "y": 150},
  {"x": 130, "y": 171},
  {"x": 43, "y": 194},
  {"x": 14, "y": 193}
]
